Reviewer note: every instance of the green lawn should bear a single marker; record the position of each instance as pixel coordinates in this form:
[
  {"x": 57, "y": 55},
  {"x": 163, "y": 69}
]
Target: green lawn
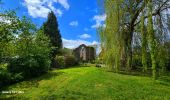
[{"x": 90, "y": 83}]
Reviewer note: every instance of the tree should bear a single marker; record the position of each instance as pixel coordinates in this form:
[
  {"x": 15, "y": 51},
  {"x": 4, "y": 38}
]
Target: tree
[
  {"x": 51, "y": 30},
  {"x": 8, "y": 29},
  {"x": 32, "y": 51},
  {"x": 122, "y": 23},
  {"x": 144, "y": 41},
  {"x": 152, "y": 41}
]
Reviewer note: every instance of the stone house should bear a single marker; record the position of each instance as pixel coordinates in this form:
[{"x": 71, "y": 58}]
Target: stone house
[{"x": 84, "y": 53}]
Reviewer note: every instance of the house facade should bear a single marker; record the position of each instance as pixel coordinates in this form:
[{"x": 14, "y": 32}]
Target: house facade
[{"x": 84, "y": 53}]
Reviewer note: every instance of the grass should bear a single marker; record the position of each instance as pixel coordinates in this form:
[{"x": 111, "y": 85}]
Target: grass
[{"x": 90, "y": 83}]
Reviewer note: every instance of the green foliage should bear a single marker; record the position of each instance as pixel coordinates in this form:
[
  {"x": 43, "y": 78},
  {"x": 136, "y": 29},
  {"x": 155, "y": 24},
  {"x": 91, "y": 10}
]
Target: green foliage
[
  {"x": 51, "y": 29},
  {"x": 5, "y": 76},
  {"x": 111, "y": 36},
  {"x": 144, "y": 43},
  {"x": 8, "y": 30},
  {"x": 70, "y": 61},
  {"x": 66, "y": 61},
  {"x": 130, "y": 24},
  {"x": 24, "y": 50},
  {"x": 65, "y": 52},
  {"x": 32, "y": 53},
  {"x": 60, "y": 61},
  {"x": 31, "y": 66},
  {"x": 152, "y": 40},
  {"x": 167, "y": 44},
  {"x": 162, "y": 49}
]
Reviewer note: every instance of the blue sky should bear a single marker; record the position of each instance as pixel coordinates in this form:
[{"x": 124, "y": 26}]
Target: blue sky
[{"x": 78, "y": 19}]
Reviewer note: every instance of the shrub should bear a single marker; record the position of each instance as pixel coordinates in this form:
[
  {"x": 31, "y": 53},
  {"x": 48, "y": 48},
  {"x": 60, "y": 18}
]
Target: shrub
[
  {"x": 27, "y": 54},
  {"x": 65, "y": 61},
  {"x": 70, "y": 61},
  {"x": 136, "y": 62},
  {"x": 60, "y": 61},
  {"x": 33, "y": 53},
  {"x": 5, "y": 76},
  {"x": 16, "y": 77},
  {"x": 29, "y": 66}
]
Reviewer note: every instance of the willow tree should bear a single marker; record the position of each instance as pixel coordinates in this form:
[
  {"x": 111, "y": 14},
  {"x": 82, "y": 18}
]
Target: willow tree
[
  {"x": 123, "y": 18},
  {"x": 152, "y": 40},
  {"x": 111, "y": 40}
]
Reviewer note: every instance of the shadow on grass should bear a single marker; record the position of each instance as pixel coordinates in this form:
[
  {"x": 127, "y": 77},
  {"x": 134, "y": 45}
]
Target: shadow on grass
[
  {"x": 48, "y": 76},
  {"x": 66, "y": 95},
  {"x": 164, "y": 80},
  {"x": 161, "y": 79},
  {"x": 76, "y": 66},
  {"x": 132, "y": 73},
  {"x": 136, "y": 73},
  {"x": 34, "y": 82}
]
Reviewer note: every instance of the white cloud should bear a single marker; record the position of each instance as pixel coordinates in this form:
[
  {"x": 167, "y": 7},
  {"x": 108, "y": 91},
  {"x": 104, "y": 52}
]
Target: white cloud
[
  {"x": 64, "y": 3},
  {"x": 99, "y": 20},
  {"x": 85, "y": 36},
  {"x": 75, "y": 43},
  {"x": 72, "y": 44},
  {"x": 59, "y": 12},
  {"x": 41, "y": 8},
  {"x": 74, "y": 23}
]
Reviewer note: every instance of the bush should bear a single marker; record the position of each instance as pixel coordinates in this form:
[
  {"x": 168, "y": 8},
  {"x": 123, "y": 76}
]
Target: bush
[
  {"x": 32, "y": 57},
  {"x": 65, "y": 61},
  {"x": 27, "y": 54},
  {"x": 137, "y": 61},
  {"x": 16, "y": 77},
  {"x": 29, "y": 66},
  {"x": 70, "y": 61},
  {"x": 5, "y": 77},
  {"x": 60, "y": 61}
]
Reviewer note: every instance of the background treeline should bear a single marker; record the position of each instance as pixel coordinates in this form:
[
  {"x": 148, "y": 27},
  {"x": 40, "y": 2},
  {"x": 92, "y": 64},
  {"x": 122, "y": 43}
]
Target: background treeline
[{"x": 136, "y": 35}]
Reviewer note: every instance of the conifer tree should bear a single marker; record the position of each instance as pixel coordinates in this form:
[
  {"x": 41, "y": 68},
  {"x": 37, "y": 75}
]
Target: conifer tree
[{"x": 51, "y": 30}]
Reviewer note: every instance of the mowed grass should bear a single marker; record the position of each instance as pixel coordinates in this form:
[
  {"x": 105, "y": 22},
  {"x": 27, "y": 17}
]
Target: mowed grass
[{"x": 90, "y": 83}]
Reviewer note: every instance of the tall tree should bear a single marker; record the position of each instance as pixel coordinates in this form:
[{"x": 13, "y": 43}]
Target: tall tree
[
  {"x": 111, "y": 40},
  {"x": 123, "y": 18},
  {"x": 144, "y": 41},
  {"x": 152, "y": 41},
  {"x": 51, "y": 30}
]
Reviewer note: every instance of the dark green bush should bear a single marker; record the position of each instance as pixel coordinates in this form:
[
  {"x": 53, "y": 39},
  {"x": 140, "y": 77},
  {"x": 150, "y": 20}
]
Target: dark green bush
[
  {"x": 5, "y": 77},
  {"x": 29, "y": 66},
  {"x": 65, "y": 61},
  {"x": 60, "y": 61},
  {"x": 70, "y": 61},
  {"x": 137, "y": 61},
  {"x": 16, "y": 77}
]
